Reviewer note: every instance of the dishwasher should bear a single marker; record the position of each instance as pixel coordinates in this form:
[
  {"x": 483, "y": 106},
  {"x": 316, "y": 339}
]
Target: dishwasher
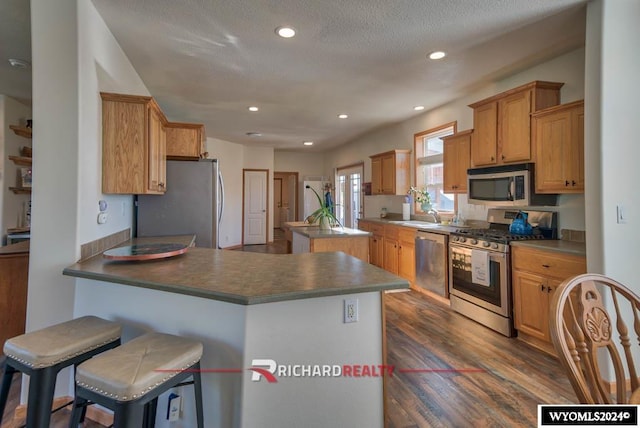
[{"x": 431, "y": 262}]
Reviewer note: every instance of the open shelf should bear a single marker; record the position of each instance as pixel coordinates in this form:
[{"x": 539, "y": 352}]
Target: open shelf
[
  {"x": 18, "y": 230},
  {"x": 22, "y": 131},
  {"x": 21, "y": 160},
  {"x": 20, "y": 190}
]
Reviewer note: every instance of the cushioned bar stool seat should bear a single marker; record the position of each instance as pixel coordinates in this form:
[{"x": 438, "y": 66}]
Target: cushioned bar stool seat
[
  {"x": 41, "y": 354},
  {"x": 129, "y": 379}
]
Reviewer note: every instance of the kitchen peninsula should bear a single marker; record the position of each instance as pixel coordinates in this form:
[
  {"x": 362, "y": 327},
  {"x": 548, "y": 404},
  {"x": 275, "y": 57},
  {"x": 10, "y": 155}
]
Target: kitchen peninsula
[
  {"x": 287, "y": 309},
  {"x": 307, "y": 238}
]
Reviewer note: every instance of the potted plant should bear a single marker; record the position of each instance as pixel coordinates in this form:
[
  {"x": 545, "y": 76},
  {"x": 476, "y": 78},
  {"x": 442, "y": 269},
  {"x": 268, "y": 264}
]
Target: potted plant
[
  {"x": 422, "y": 197},
  {"x": 324, "y": 215}
]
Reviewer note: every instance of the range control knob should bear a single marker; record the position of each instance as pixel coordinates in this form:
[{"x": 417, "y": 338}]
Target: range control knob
[
  {"x": 485, "y": 244},
  {"x": 494, "y": 246},
  {"x": 462, "y": 239},
  {"x": 474, "y": 241}
]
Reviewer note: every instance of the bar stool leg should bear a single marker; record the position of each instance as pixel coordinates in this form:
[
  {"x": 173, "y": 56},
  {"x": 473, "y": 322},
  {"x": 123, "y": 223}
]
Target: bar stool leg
[
  {"x": 7, "y": 378},
  {"x": 149, "y": 420},
  {"x": 77, "y": 411},
  {"x": 42, "y": 384},
  {"x": 128, "y": 415},
  {"x": 197, "y": 386}
]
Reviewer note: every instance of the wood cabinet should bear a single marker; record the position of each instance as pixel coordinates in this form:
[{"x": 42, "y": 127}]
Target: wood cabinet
[
  {"x": 185, "y": 141},
  {"x": 14, "y": 265},
  {"x": 535, "y": 275},
  {"x": 376, "y": 245},
  {"x": 391, "y": 248},
  {"x": 407, "y": 254},
  {"x": 390, "y": 172},
  {"x": 558, "y": 140},
  {"x": 502, "y": 123},
  {"x": 133, "y": 145},
  {"x": 456, "y": 161}
]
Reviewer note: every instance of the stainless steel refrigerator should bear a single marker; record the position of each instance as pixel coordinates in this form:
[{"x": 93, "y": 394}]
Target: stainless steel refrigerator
[{"x": 192, "y": 204}]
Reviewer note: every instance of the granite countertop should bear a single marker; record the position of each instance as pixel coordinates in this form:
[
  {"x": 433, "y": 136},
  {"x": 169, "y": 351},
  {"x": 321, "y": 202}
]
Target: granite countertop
[
  {"x": 417, "y": 224},
  {"x": 17, "y": 248},
  {"x": 243, "y": 277},
  {"x": 559, "y": 246},
  {"x": 314, "y": 232}
]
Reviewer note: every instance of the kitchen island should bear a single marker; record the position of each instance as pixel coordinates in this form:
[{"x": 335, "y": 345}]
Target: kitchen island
[
  {"x": 307, "y": 238},
  {"x": 285, "y": 310}
]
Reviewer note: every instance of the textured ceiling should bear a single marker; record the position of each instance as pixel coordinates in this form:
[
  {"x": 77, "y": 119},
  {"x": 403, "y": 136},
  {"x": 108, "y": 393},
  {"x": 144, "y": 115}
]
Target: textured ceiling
[{"x": 208, "y": 60}]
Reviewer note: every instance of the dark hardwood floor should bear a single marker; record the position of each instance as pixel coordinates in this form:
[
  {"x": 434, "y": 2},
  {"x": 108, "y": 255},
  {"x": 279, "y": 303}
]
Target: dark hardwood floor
[{"x": 449, "y": 370}]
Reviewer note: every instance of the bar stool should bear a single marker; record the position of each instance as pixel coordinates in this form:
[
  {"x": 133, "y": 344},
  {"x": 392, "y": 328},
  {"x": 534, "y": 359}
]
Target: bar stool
[
  {"x": 129, "y": 379},
  {"x": 41, "y": 354}
]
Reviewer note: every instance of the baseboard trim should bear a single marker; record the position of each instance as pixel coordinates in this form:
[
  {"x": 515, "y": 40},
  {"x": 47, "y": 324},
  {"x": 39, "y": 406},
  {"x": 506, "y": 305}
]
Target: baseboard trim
[{"x": 99, "y": 415}]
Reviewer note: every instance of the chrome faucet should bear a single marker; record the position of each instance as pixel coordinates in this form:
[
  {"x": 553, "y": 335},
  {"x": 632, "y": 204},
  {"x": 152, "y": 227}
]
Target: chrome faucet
[{"x": 434, "y": 213}]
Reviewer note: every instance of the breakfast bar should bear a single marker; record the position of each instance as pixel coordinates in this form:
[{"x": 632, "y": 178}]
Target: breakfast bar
[{"x": 287, "y": 311}]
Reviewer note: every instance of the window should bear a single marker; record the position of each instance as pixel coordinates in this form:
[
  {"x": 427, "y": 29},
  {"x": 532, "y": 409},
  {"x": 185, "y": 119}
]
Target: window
[{"x": 429, "y": 166}]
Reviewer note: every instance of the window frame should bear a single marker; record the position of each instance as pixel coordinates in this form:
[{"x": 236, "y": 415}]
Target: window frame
[{"x": 418, "y": 150}]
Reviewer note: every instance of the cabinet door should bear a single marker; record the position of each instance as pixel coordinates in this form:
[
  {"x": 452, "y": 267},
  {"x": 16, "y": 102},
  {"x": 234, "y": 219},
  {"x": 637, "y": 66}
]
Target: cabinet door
[
  {"x": 184, "y": 141},
  {"x": 553, "y": 151},
  {"x": 376, "y": 176},
  {"x": 531, "y": 304},
  {"x": 156, "y": 154},
  {"x": 485, "y": 133},
  {"x": 376, "y": 250},
  {"x": 577, "y": 149},
  {"x": 391, "y": 255},
  {"x": 456, "y": 161},
  {"x": 389, "y": 175},
  {"x": 514, "y": 133}
]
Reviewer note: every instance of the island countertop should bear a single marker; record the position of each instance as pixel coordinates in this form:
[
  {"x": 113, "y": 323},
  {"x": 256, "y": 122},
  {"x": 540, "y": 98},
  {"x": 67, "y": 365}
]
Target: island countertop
[{"x": 243, "y": 277}]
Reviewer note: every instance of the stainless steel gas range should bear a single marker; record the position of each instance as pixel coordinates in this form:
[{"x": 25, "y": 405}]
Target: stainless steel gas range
[{"x": 479, "y": 267}]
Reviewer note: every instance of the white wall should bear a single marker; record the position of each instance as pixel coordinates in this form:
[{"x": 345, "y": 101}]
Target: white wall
[
  {"x": 74, "y": 56},
  {"x": 12, "y": 112},
  {"x": 567, "y": 68},
  {"x": 611, "y": 134},
  {"x": 306, "y": 164},
  {"x": 231, "y": 157}
]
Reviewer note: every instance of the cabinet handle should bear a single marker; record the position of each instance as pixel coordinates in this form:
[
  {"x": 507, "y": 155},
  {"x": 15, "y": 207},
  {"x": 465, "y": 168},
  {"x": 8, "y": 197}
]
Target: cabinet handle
[
  {"x": 542, "y": 288},
  {"x": 492, "y": 158},
  {"x": 548, "y": 289},
  {"x": 566, "y": 182},
  {"x": 573, "y": 183},
  {"x": 502, "y": 157},
  {"x": 545, "y": 266},
  {"x": 160, "y": 184}
]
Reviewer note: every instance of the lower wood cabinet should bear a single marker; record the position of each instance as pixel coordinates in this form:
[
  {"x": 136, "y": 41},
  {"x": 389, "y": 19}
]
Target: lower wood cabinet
[
  {"x": 376, "y": 242},
  {"x": 13, "y": 289},
  {"x": 407, "y": 254},
  {"x": 535, "y": 276},
  {"x": 392, "y": 248}
]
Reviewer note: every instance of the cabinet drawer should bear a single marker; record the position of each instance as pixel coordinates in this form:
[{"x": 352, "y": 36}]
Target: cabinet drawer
[
  {"x": 376, "y": 229},
  {"x": 391, "y": 232},
  {"x": 407, "y": 234},
  {"x": 550, "y": 264}
]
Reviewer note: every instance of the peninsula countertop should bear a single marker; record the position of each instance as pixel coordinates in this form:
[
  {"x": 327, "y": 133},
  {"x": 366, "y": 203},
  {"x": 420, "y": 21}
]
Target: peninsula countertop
[
  {"x": 314, "y": 231},
  {"x": 243, "y": 277}
]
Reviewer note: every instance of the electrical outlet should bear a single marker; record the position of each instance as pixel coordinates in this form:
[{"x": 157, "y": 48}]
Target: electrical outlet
[
  {"x": 350, "y": 310},
  {"x": 621, "y": 217}
]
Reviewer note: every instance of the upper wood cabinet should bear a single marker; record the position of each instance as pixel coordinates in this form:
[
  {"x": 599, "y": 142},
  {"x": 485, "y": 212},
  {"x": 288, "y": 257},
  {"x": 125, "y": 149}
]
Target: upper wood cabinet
[
  {"x": 390, "y": 172},
  {"x": 185, "y": 141},
  {"x": 502, "y": 123},
  {"x": 133, "y": 145},
  {"x": 558, "y": 138},
  {"x": 456, "y": 161}
]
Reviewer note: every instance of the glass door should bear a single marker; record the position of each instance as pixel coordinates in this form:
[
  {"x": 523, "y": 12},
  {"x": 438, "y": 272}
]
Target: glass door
[{"x": 349, "y": 197}]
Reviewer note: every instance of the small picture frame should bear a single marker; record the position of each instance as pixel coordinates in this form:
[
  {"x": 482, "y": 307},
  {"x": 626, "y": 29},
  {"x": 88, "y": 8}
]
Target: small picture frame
[{"x": 24, "y": 177}]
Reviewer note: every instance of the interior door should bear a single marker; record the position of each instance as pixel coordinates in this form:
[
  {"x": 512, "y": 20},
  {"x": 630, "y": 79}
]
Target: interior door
[
  {"x": 277, "y": 203},
  {"x": 254, "y": 228},
  {"x": 349, "y": 197}
]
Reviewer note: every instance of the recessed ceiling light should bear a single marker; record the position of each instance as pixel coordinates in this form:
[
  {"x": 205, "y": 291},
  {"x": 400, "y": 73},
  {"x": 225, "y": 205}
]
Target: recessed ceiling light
[
  {"x": 343, "y": 116},
  {"x": 308, "y": 143},
  {"x": 437, "y": 55},
  {"x": 253, "y": 108},
  {"x": 254, "y": 134},
  {"x": 19, "y": 63},
  {"x": 418, "y": 108},
  {"x": 286, "y": 32}
]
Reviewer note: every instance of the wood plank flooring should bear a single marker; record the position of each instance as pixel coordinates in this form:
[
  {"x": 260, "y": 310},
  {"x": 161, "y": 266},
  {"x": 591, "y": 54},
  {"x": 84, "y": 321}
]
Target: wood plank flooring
[
  {"x": 511, "y": 378},
  {"x": 504, "y": 382}
]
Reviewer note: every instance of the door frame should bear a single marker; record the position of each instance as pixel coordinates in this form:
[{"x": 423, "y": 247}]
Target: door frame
[
  {"x": 267, "y": 208},
  {"x": 297, "y": 185},
  {"x": 351, "y": 166}
]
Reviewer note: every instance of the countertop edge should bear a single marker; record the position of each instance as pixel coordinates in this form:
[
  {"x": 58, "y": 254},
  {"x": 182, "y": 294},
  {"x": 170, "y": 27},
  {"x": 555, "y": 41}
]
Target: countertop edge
[
  {"x": 555, "y": 246},
  {"x": 297, "y": 295}
]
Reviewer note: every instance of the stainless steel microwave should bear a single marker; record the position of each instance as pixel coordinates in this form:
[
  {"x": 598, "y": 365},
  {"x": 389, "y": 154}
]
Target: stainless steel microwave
[{"x": 506, "y": 186}]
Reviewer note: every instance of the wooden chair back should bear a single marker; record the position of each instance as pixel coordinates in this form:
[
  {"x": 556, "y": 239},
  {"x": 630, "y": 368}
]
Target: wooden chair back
[{"x": 594, "y": 346}]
